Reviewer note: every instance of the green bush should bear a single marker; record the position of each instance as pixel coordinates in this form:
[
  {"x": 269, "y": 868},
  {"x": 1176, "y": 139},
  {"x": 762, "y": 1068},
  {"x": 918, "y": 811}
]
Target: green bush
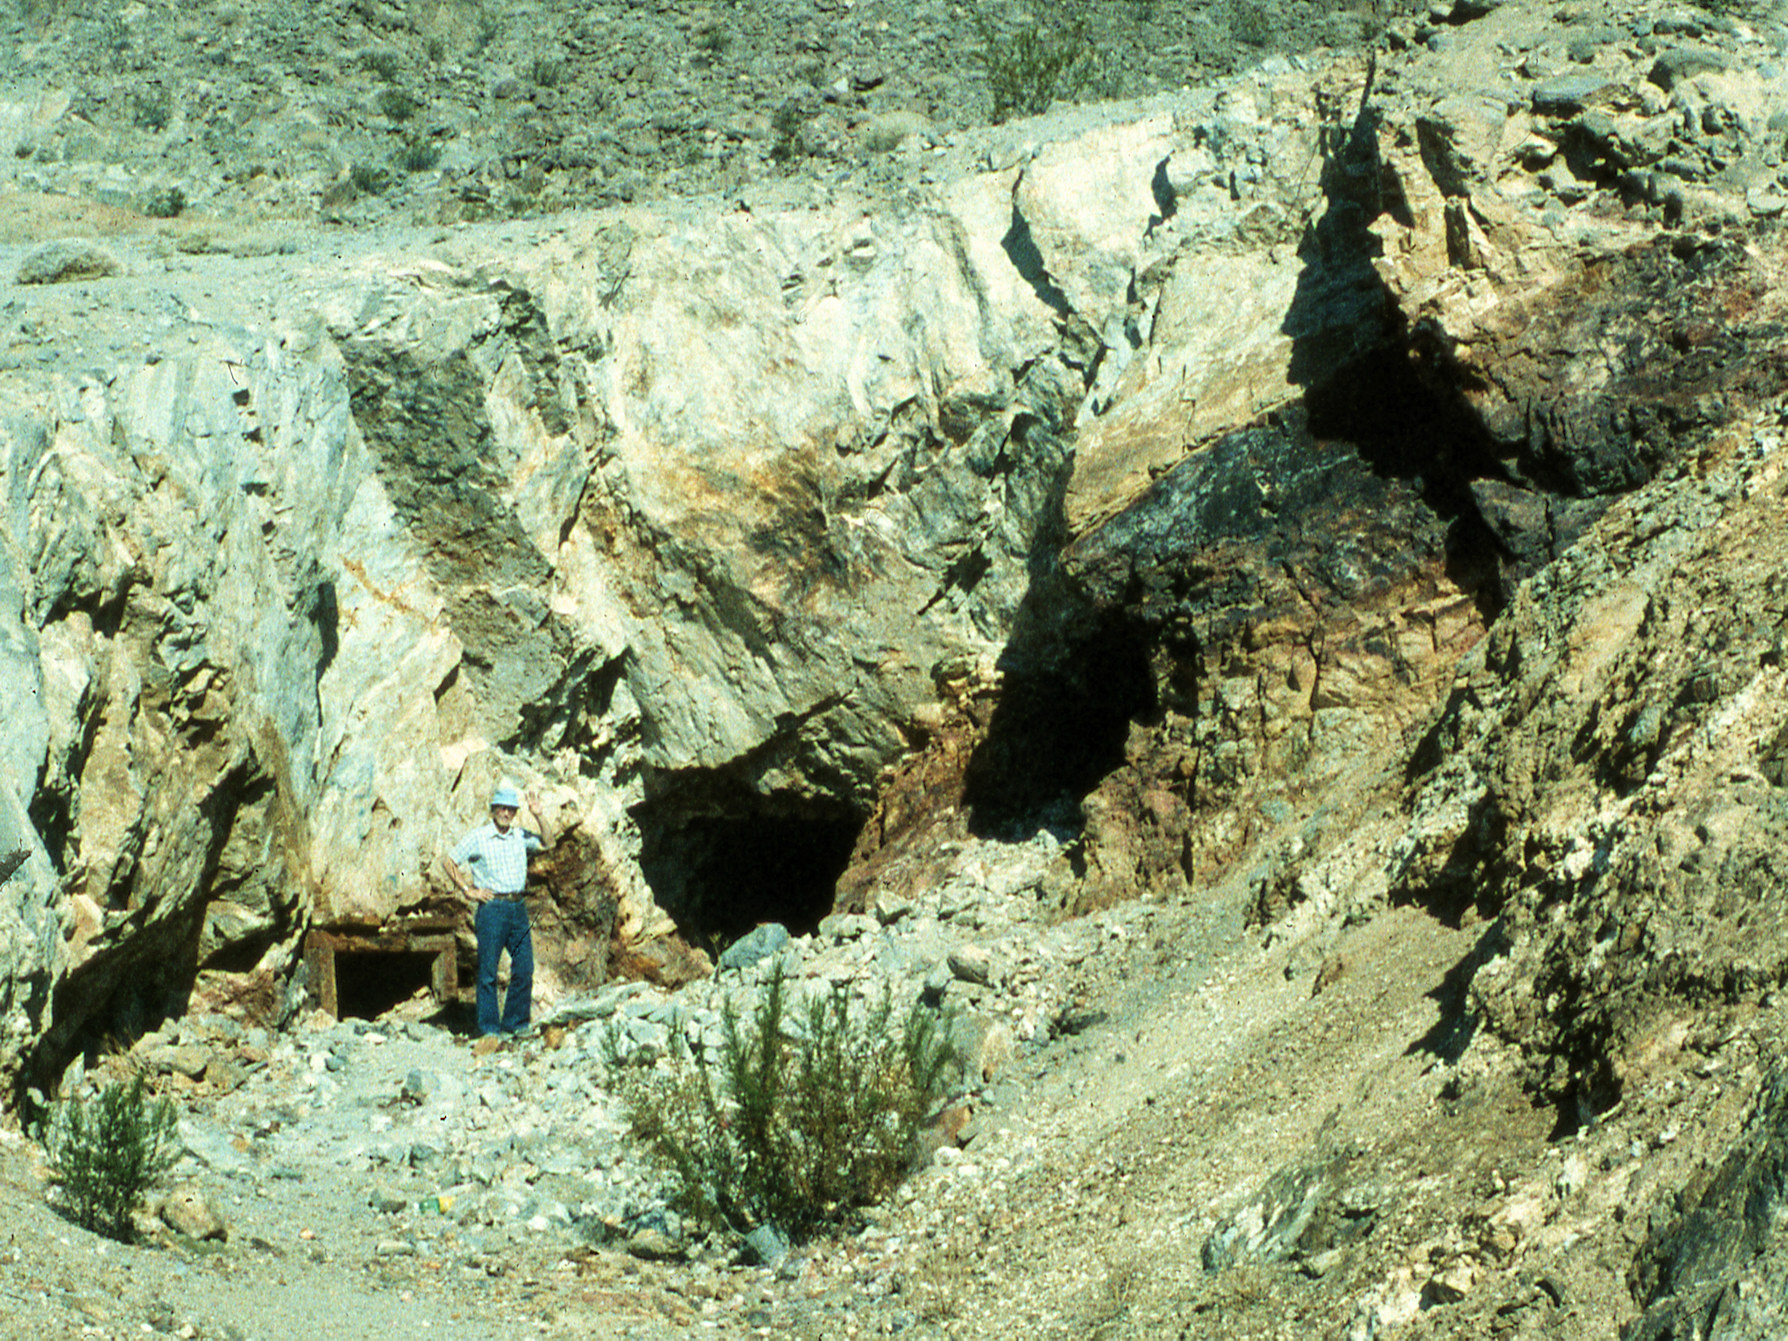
[
  {"x": 368, "y": 180},
  {"x": 713, "y": 37},
  {"x": 1252, "y": 22},
  {"x": 397, "y": 105},
  {"x": 418, "y": 156},
  {"x": 488, "y": 26},
  {"x": 546, "y": 72},
  {"x": 152, "y": 109},
  {"x": 791, "y": 1131},
  {"x": 387, "y": 65},
  {"x": 788, "y": 125},
  {"x": 1030, "y": 66},
  {"x": 106, "y": 1153},
  {"x": 168, "y": 204}
]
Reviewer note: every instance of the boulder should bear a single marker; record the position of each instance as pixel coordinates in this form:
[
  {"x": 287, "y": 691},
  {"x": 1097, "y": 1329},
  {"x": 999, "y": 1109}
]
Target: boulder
[
  {"x": 188, "y": 1210},
  {"x": 67, "y": 262}
]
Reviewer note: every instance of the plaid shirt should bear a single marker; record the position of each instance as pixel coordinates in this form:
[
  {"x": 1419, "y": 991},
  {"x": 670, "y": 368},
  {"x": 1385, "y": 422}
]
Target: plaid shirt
[{"x": 498, "y": 861}]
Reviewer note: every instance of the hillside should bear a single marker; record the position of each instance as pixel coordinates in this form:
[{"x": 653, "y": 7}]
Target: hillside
[{"x": 469, "y": 109}]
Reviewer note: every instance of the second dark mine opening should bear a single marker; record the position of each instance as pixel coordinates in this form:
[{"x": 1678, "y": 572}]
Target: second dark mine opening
[
  {"x": 720, "y": 875},
  {"x": 1059, "y": 728}
]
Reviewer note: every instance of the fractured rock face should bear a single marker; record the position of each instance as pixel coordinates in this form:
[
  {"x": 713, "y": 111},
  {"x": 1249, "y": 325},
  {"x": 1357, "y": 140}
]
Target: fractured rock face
[
  {"x": 1715, "y": 1265},
  {"x": 677, "y": 515},
  {"x": 1611, "y": 750},
  {"x": 1154, "y": 473},
  {"x": 1568, "y": 426},
  {"x": 707, "y": 541}
]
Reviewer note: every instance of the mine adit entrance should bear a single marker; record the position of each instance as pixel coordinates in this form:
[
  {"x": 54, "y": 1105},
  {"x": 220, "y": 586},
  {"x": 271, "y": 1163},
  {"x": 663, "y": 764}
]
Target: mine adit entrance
[
  {"x": 1077, "y": 675},
  {"x": 720, "y": 871},
  {"x": 364, "y": 972}
]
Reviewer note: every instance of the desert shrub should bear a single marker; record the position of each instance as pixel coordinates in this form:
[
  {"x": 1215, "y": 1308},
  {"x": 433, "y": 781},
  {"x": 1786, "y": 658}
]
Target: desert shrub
[
  {"x": 398, "y": 105},
  {"x": 788, "y": 127},
  {"x": 418, "y": 156},
  {"x": 486, "y": 30},
  {"x": 713, "y": 37},
  {"x": 1251, "y": 21},
  {"x": 368, "y": 180},
  {"x": 114, "y": 36},
  {"x": 105, "y": 1154},
  {"x": 795, "y": 1128},
  {"x": 546, "y": 72},
  {"x": 168, "y": 204},
  {"x": 1033, "y": 64},
  {"x": 387, "y": 65},
  {"x": 151, "y": 109}
]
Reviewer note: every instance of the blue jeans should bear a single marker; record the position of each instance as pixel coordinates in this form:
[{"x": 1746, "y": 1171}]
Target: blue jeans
[{"x": 502, "y": 924}]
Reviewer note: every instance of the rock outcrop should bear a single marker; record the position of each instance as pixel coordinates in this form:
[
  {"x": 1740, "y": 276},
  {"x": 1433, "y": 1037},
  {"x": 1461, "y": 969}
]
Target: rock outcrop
[
  {"x": 1228, "y": 425},
  {"x": 289, "y": 603},
  {"x": 684, "y": 515}
]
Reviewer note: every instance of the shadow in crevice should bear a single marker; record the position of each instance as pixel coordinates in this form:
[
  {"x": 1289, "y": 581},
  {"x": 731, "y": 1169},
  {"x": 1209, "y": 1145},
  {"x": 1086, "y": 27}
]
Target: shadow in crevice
[
  {"x": 1057, "y": 732},
  {"x": 1340, "y": 307},
  {"x": 129, "y": 984},
  {"x": 1393, "y": 393},
  {"x": 1021, "y": 249},
  {"x": 1167, "y": 200},
  {"x": 1469, "y": 879},
  {"x": 1452, "y": 1033},
  {"x": 1407, "y": 424}
]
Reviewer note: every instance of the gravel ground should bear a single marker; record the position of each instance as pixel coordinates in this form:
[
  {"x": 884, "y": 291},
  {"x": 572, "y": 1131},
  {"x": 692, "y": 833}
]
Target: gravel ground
[
  {"x": 394, "y": 1173},
  {"x": 396, "y": 1170},
  {"x": 366, "y": 110}
]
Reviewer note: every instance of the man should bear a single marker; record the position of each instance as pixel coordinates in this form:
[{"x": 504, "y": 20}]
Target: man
[{"x": 496, "y": 881}]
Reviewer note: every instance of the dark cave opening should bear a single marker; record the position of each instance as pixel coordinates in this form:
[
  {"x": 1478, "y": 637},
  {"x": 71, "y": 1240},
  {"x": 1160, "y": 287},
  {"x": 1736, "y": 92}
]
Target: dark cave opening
[
  {"x": 1057, "y": 732},
  {"x": 720, "y": 875},
  {"x": 1078, "y": 676},
  {"x": 370, "y": 982}
]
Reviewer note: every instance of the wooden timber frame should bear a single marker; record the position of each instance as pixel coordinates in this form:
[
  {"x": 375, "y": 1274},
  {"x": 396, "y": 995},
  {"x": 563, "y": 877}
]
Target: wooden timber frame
[{"x": 430, "y": 938}]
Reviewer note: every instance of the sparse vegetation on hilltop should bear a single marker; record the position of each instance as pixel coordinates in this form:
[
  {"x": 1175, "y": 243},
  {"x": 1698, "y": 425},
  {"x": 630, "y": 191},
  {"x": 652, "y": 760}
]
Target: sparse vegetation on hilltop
[
  {"x": 1036, "y": 60},
  {"x": 594, "y": 103}
]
